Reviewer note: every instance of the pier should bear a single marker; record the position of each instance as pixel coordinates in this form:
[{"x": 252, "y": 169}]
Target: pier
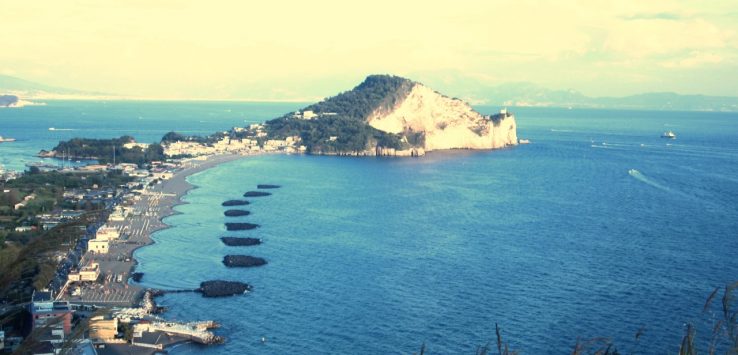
[{"x": 198, "y": 332}]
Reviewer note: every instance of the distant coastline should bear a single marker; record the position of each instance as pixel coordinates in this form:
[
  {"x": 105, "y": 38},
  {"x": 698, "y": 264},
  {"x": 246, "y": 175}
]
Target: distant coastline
[{"x": 13, "y": 101}]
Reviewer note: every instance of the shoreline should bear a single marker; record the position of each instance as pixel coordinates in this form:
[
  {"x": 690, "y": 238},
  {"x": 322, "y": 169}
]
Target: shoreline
[
  {"x": 179, "y": 187},
  {"x": 157, "y": 203}
]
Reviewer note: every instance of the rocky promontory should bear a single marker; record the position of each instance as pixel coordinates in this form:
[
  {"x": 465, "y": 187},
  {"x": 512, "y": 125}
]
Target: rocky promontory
[
  {"x": 238, "y": 242},
  {"x": 243, "y": 261},
  {"x": 220, "y": 288},
  {"x": 236, "y": 213},
  {"x": 256, "y": 194},
  {"x": 240, "y": 226},
  {"x": 392, "y": 116}
]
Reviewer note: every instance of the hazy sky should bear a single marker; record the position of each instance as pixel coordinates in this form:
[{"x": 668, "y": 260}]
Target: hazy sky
[{"x": 306, "y": 49}]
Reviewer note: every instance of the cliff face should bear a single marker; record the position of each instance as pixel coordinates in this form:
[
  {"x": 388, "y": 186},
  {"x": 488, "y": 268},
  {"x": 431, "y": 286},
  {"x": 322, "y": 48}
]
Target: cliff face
[{"x": 446, "y": 123}]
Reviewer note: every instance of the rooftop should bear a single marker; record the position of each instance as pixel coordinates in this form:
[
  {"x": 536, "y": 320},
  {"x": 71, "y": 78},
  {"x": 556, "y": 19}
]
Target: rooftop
[{"x": 41, "y": 296}]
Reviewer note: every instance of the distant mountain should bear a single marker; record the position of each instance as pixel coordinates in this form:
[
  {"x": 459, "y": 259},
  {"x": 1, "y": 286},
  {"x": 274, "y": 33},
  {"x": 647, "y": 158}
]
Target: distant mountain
[
  {"x": 31, "y": 90},
  {"x": 390, "y": 115},
  {"x": 669, "y": 101},
  {"x": 530, "y": 94},
  {"x": 13, "y": 84},
  {"x": 527, "y": 94}
]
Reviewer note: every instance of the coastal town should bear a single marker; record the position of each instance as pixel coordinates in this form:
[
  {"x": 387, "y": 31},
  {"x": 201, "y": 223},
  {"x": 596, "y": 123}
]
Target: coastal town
[{"x": 84, "y": 294}]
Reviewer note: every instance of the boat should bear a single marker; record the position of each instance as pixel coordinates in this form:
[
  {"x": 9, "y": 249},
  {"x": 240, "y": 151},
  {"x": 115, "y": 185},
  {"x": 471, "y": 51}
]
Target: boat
[
  {"x": 6, "y": 139},
  {"x": 668, "y": 134},
  {"x": 52, "y": 129}
]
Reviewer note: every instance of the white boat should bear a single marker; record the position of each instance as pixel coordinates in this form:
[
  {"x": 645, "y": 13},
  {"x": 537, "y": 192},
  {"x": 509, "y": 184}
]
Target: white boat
[
  {"x": 52, "y": 129},
  {"x": 6, "y": 139},
  {"x": 668, "y": 134}
]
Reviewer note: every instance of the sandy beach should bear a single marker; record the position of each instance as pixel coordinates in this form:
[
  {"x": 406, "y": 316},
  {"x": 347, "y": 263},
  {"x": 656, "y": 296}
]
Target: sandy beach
[{"x": 154, "y": 205}]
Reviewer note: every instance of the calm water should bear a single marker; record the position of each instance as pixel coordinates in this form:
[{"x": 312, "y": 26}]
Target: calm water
[{"x": 598, "y": 228}]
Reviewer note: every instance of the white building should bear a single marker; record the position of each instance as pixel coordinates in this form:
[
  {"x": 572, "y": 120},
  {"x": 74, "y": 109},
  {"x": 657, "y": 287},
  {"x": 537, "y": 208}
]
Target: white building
[
  {"x": 98, "y": 246},
  {"x": 86, "y": 273},
  {"x": 187, "y": 148},
  {"x": 107, "y": 233},
  {"x": 164, "y": 175},
  {"x": 132, "y": 145}
]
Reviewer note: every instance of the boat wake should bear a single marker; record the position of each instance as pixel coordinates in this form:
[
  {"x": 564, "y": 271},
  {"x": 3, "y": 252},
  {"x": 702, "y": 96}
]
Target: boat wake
[{"x": 642, "y": 178}]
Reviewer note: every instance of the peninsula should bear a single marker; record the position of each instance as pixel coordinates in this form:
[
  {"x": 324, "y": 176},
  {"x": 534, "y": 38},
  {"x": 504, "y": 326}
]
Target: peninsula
[{"x": 385, "y": 115}]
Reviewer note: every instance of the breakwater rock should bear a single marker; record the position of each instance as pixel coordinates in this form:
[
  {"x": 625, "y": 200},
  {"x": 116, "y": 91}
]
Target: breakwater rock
[
  {"x": 256, "y": 194},
  {"x": 243, "y": 261},
  {"x": 236, "y": 213},
  {"x": 237, "y": 242},
  {"x": 235, "y": 203},
  {"x": 240, "y": 226},
  {"x": 220, "y": 288},
  {"x": 137, "y": 276},
  {"x": 148, "y": 303},
  {"x": 267, "y": 186}
]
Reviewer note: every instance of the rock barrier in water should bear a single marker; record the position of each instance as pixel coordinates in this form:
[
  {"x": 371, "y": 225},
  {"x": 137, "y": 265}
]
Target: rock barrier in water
[
  {"x": 256, "y": 194},
  {"x": 235, "y": 203},
  {"x": 243, "y": 261},
  {"x": 267, "y": 186},
  {"x": 238, "y": 242},
  {"x": 240, "y": 226},
  {"x": 236, "y": 213},
  {"x": 220, "y": 288}
]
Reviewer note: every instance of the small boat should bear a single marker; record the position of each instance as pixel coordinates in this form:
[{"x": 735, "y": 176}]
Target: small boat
[
  {"x": 6, "y": 139},
  {"x": 52, "y": 129},
  {"x": 668, "y": 134}
]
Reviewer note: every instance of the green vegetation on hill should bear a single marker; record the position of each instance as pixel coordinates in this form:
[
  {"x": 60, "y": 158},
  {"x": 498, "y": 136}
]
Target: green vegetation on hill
[
  {"x": 102, "y": 150},
  {"x": 177, "y": 137},
  {"x": 340, "y": 125},
  {"x": 377, "y": 91}
]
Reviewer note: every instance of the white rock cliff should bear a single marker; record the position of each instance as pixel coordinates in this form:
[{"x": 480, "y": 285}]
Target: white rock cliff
[{"x": 447, "y": 123}]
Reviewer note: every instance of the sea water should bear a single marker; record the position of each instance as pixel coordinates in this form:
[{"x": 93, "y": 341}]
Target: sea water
[{"x": 598, "y": 228}]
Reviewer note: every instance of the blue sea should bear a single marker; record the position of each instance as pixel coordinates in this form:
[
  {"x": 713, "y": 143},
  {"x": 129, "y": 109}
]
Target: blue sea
[{"x": 598, "y": 228}]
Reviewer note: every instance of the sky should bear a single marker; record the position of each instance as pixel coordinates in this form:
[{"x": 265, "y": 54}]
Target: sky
[{"x": 299, "y": 50}]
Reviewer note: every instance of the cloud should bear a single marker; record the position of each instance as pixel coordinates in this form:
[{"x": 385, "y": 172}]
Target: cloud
[
  {"x": 648, "y": 37},
  {"x": 695, "y": 59},
  {"x": 159, "y": 47},
  {"x": 671, "y": 16}
]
